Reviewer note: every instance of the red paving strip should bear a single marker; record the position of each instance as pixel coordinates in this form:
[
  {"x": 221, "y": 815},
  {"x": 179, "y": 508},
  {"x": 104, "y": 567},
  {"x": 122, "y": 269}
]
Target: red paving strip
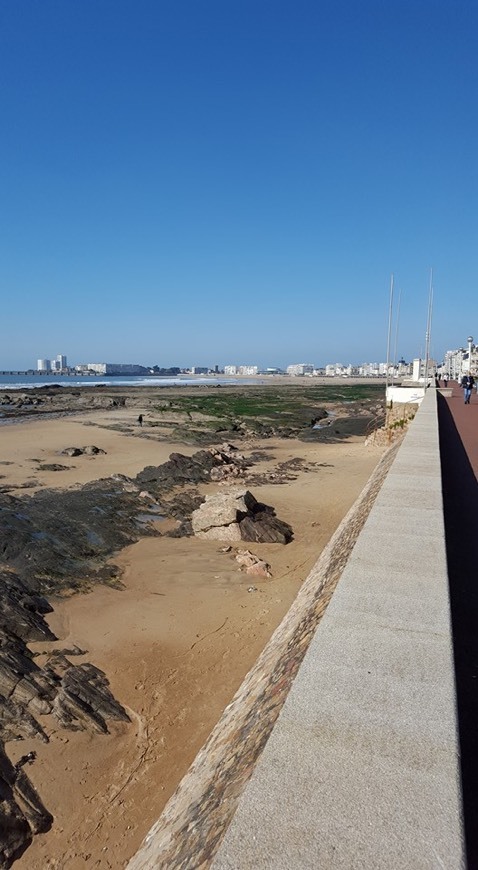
[
  {"x": 458, "y": 430},
  {"x": 466, "y": 421}
]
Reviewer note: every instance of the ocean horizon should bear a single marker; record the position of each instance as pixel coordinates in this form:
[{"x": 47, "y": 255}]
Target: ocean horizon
[{"x": 28, "y": 382}]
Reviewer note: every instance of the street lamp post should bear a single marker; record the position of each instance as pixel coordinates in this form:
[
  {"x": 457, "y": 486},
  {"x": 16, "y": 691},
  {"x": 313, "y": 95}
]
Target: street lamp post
[{"x": 470, "y": 342}]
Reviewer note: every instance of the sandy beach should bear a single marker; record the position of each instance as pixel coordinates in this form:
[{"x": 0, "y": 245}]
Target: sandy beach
[{"x": 175, "y": 642}]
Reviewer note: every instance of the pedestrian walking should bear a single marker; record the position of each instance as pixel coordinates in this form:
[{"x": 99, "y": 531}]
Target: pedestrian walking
[
  {"x": 468, "y": 386},
  {"x": 140, "y": 420}
]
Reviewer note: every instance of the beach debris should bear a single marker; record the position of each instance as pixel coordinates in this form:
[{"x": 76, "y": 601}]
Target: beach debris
[
  {"x": 252, "y": 588},
  {"x": 229, "y": 463},
  {"x": 29, "y": 758},
  {"x": 90, "y": 450},
  {"x": 226, "y": 472},
  {"x": 253, "y": 564},
  {"x": 74, "y": 650},
  {"x": 283, "y": 472},
  {"x": 53, "y": 466}
]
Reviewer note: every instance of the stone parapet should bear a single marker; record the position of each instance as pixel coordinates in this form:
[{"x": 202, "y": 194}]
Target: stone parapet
[{"x": 360, "y": 765}]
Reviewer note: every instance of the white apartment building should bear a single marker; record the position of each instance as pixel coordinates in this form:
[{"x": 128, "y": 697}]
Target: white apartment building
[
  {"x": 368, "y": 370},
  {"x": 43, "y": 365},
  {"x": 230, "y": 370},
  {"x": 99, "y": 368},
  {"x": 340, "y": 371},
  {"x": 403, "y": 368},
  {"x": 115, "y": 368},
  {"x": 459, "y": 362},
  {"x": 298, "y": 369},
  {"x": 248, "y": 371}
]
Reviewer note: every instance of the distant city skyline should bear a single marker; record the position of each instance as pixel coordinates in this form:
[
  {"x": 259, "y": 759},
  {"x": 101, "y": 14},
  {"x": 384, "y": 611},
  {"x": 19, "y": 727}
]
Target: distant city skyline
[
  {"x": 242, "y": 177},
  {"x": 452, "y": 358}
]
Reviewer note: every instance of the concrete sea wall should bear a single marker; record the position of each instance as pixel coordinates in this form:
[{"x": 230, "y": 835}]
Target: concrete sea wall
[{"x": 356, "y": 765}]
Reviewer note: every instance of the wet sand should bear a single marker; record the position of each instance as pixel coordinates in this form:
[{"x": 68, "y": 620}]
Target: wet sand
[{"x": 175, "y": 643}]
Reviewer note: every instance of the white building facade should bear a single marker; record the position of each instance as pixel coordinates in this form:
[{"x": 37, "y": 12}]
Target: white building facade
[{"x": 299, "y": 369}]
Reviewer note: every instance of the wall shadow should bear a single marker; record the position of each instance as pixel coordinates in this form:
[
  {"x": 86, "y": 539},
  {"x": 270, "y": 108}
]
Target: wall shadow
[{"x": 460, "y": 502}]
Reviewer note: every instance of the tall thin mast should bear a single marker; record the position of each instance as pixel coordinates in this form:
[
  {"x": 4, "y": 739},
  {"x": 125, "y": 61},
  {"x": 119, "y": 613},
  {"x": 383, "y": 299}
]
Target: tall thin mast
[
  {"x": 429, "y": 327},
  {"x": 396, "y": 336},
  {"x": 388, "y": 336}
]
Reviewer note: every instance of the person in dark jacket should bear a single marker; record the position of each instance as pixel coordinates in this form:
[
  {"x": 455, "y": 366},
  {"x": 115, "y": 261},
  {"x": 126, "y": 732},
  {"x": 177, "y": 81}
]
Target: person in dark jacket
[{"x": 468, "y": 386}]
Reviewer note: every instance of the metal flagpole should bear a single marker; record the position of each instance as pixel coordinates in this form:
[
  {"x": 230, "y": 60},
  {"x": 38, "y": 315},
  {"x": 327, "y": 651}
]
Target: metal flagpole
[
  {"x": 388, "y": 338},
  {"x": 429, "y": 326},
  {"x": 396, "y": 336}
]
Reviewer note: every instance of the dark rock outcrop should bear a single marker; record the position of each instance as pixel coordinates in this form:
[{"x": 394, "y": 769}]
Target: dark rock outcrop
[
  {"x": 177, "y": 471},
  {"x": 263, "y": 527},
  {"x": 62, "y": 539},
  {"x": 76, "y": 695},
  {"x": 217, "y": 463},
  {"x": 22, "y": 813}
]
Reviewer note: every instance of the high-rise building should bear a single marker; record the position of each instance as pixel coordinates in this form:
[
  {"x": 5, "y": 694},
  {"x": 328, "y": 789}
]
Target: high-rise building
[
  {"x": 43, "y": 365},
  {"x": 61, "y": 359}
]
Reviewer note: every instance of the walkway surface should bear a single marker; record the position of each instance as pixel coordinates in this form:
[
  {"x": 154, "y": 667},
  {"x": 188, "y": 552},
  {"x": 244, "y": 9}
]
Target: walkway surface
[
  {"x": 459, "y": 452},
  {"x": 362, "y": 767},
  {"x": 465, "y": 418}
]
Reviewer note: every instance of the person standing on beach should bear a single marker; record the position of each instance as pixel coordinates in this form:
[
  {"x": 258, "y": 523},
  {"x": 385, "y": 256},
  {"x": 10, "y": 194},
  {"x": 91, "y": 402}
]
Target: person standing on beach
[{"x": 140, "y": 420}]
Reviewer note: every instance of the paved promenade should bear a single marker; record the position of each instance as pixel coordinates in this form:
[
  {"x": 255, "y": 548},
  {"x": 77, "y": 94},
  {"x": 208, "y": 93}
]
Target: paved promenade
[
  {"x": 459, "y": 450},
  {"x": 362, "y": 768}
]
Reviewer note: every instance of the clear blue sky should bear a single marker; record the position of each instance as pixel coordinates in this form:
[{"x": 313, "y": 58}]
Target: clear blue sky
[{"x": 233, "y": 181}]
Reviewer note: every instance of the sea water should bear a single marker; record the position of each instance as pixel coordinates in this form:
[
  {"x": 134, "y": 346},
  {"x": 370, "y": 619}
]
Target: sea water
[{"x": 27, "y": 382}]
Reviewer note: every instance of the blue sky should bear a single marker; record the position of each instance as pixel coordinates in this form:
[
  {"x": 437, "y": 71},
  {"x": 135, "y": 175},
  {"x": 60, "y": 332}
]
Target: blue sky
[{"x": 196, "y": 182}]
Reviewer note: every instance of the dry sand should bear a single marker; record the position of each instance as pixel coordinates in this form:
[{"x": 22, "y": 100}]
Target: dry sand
[{"x": 175, "y": 643}]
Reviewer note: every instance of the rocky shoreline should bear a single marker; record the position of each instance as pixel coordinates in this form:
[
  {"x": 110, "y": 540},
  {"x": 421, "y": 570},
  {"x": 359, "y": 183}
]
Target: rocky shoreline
[
  {"x": 208, "y": 415},
  {"x": 61, "y": 540}
]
